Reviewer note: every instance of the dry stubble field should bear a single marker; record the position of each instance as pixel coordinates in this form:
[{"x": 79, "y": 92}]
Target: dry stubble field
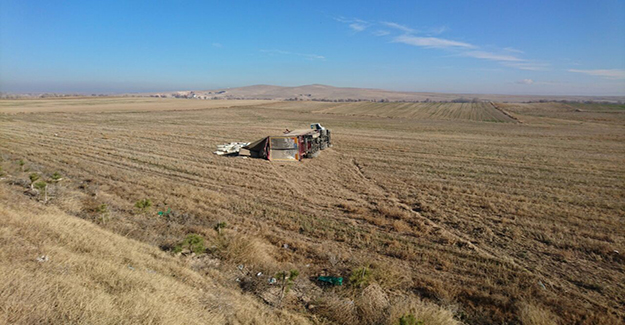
[{"x": 462, "y": 212}]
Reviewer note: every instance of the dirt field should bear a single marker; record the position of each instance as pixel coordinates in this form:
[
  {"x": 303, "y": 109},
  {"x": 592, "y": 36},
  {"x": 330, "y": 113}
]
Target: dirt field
[
  {"x": 437, "y": 111},
  {"x": 120, "y": 104},
  {"x": 442, "y": 210}
]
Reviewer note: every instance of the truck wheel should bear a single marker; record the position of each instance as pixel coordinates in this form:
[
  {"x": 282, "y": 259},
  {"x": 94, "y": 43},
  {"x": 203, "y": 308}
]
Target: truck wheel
[
  {"x": 313, "y": 154},
  {"x": 324, "y": 146}
]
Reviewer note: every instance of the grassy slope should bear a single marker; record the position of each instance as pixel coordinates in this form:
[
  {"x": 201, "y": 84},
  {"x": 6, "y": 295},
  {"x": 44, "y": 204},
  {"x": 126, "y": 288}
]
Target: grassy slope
[{"x": 97, "y": 277}]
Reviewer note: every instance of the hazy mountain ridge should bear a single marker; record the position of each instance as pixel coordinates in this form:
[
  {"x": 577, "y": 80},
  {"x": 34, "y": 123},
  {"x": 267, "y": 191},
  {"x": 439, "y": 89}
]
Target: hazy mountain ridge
[
  {"x": 330, "y": 93},
  {"x": 318, "y": 92}
]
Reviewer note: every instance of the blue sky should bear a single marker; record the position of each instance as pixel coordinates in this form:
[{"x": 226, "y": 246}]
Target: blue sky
[{"x": 510, "y": 47}]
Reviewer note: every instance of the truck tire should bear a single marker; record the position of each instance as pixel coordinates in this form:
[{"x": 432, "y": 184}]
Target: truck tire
[
  {"x": 324, "y": 145},
  {"x": 313, "y": 154}
]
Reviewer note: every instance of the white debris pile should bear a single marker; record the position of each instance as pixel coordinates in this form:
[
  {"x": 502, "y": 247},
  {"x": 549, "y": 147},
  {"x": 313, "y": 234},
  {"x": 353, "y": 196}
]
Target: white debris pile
[{"x": 231, "y": 148}]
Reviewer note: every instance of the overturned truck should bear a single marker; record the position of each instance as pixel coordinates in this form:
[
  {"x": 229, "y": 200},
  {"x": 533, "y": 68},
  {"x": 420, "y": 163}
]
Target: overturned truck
[{"x": 292, "y": 145}]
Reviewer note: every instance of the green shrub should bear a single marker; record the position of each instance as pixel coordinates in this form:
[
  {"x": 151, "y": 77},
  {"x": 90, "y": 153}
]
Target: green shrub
[
  {"x": 41, "y": 185},
  {"x": 33, "y": 177},
  {"x": 409, "y": 319},
  {"x": 102, "y": 208},
  {"x": 192, "y": 242},
  {"x": 286, "y": 280},
  {"x": 219, "y": 226},
  {"x": 143, "y": 205},
  {"x": 56, "y": 176},
  {"x": 360, "y": 277}
]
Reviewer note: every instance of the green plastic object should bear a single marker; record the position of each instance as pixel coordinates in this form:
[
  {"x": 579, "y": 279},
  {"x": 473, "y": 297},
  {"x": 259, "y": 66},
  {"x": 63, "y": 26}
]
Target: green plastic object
[
  {"x": 161, "y": 213},
  {"x": 335, "y": 281}
]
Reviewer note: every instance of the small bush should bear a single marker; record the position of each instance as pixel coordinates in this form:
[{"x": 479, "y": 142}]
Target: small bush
[
  {"x": 409, "y": 319},
  {"x": 143, "y": 205},
  {"x": 102, "y": 208},
  {"x": 33, "y": 177},
  {"x": 56, "y": 176},
  {"x": 360, "y": 277},
  {"x": 193, "y": 243},
  {"x": 219, "y": 226},
  {"x": 286, "y": 282},
  {"x": 41, "y": 185}
]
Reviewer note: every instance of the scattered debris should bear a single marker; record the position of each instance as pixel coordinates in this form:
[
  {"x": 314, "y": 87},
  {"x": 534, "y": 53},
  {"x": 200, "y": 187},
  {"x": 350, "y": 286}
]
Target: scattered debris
[
  {"x": 272, "y": 281},
  {"x": 131, "y": 268},
  {"x": 285, "y": 246},
  {"x": 259, "y": 274},
  {"x": 542, "y": 285},
  {"x": 335, "y": 281},
  {"x": 43, "y": 258},
  {"x": 164, "y": 213},
  {"x": 230, "y": 149}
]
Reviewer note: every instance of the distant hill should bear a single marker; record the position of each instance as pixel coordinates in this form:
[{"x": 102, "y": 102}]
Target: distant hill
[{"x": 330, "y": 93}]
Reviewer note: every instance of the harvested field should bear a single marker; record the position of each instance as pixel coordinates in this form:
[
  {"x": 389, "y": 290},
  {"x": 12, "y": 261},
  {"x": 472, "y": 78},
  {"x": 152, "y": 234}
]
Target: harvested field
[
  {"x": 479, "y": 111},
  {"x": 108, "y": 104},
  {"x": 449, "y": 215}
]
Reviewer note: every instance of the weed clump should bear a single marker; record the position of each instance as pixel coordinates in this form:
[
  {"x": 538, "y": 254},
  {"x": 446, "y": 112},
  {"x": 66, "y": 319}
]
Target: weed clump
[
  {"x": 33, "y": 178},
  {"x": 360, "y": 277},
  {"x": 219, "y": 226},
  {"x": 193, "y": 243},
  {"x": 286, "y": 282},
  {"x": 143, "y": 205},
  {"x": 409, "y": 319},
  {"x": 56, "y": 176}
]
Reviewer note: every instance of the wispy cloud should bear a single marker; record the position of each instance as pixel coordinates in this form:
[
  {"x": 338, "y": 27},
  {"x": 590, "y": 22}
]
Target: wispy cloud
[
  {"x": 357, "y": 25},
  {"x": 431, "y": 42},
  {"x": 217, "y": 45},
  {"x": 512, "y": 49},
  {"x": 403, "y": 28},
  {"x": 606, "y": 73},
  {"x": 304, "y": 55},
  {"x": 525, "y": 82},
  {"x": 426, "y": 38},
  {"x": 437, "y": 30},
  {"x": 381, "y": 32},
  {"x": 492, "y": 56},
  {"x": 527, "y": 65}
]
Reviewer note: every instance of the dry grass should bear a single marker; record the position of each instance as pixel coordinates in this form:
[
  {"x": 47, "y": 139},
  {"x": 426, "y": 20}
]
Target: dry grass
[
  {"x": 95, "y": 277},
  {"x": 460, "y": 212}
]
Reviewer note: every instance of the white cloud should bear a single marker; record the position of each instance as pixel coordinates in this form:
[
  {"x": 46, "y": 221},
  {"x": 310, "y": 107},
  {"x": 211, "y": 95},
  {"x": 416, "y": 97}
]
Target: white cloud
[
  {"x": 607, "y": 73},
  {"x": 381, "y": 33},
  {"x": 492, "y": 56},
  {"x": 359, "y": 27},
  {"x": 512, "y": 49},
  {"x": 525, "y": 82},
  {"x": 438, "y": 30},
  {"x": 403, "y": 28},
  {"x": 308, "y": 56},
  {"x": 430, "y": 42},
  {"x": 528, "y": 66}
]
